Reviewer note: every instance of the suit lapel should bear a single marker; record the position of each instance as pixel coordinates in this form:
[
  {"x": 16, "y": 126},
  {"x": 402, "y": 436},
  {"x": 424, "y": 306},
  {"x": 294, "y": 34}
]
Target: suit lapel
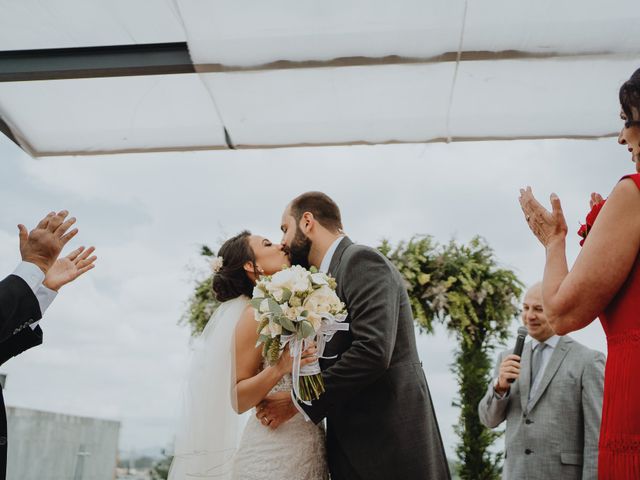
[
  {"x": 333, "y": 346},
  {"x": 525, "y": 376},
  {"x": 561, "y": 350},
  {"x": 337, "y": 255}
]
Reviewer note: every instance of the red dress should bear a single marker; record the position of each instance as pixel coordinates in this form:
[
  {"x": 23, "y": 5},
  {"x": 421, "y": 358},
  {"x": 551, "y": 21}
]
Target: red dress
[{"x": 619, "y": 451}]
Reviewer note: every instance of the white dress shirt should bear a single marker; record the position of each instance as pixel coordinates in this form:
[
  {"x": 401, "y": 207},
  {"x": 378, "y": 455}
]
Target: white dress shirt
[
  {"x": 326, "y": 260},
  {"x": 34, "y": 277},
  {"x": 552, "y": 343}
]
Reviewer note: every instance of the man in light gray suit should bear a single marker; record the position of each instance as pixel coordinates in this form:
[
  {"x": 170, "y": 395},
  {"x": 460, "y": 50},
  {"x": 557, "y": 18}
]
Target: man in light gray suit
[{"x": 552, "y": 408}]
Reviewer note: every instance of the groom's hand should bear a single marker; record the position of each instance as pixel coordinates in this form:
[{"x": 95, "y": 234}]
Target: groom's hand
[{"x": 276, "y": 409}]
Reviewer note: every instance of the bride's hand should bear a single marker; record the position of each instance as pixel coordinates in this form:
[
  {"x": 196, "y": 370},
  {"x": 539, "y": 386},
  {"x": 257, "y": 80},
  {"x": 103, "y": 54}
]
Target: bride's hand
[
  {"x": 285, "y": 364},
  {"x": 547, "y": 226}
]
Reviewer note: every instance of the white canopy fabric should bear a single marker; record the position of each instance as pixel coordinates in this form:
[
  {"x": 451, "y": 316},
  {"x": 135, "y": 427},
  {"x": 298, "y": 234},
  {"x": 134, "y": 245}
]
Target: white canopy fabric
[
  {"x": 297, "y": 72},
  {"x": 33, "y": 24}
]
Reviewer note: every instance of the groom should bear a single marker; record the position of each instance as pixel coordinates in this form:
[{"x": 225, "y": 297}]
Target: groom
[{"x": 380, "y": 418}]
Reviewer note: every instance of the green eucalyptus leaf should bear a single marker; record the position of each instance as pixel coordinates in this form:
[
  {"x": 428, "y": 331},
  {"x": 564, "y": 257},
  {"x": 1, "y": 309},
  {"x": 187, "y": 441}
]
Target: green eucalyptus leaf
[{"x": 287, "y": 324}]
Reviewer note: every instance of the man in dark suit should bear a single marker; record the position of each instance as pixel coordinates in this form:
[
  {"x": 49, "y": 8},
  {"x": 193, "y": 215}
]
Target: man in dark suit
[
  {"x": 28, "y": 292},
  {"x": 380, "y": 419}
]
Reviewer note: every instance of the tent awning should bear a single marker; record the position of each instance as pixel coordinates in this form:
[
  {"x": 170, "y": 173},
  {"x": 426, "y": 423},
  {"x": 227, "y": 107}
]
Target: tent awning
[{"x": 109, "y": 76}]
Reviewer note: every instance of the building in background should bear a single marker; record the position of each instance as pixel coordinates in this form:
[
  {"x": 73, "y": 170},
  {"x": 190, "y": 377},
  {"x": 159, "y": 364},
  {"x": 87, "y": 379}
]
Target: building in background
[{"x": 53, "y": 446}]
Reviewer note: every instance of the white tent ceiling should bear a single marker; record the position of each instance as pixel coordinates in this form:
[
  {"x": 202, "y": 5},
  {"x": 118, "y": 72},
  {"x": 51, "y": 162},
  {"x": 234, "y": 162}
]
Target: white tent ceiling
[{"x": 296, "y": 72}]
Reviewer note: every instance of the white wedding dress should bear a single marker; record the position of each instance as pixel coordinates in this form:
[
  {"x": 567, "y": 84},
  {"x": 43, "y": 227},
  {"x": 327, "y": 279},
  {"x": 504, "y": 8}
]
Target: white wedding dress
[
  {"x": 295, "y": 450},
  {"x": 208, "y": 442}
]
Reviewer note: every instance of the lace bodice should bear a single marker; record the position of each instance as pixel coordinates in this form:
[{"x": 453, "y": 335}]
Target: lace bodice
[
  {"x": 296, "y": 450},
  {"x": 284, "y": 385}
]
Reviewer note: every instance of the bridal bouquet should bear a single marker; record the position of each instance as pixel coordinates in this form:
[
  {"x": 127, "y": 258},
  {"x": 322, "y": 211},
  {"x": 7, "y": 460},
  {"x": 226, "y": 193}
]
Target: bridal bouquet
[{"x": 297, "y": 306}]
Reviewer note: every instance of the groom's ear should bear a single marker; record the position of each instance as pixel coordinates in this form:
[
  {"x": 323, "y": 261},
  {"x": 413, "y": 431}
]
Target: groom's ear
[{"x": 307, "y": 222}]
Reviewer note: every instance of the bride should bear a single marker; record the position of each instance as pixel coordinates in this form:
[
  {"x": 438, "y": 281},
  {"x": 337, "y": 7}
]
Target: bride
[{"x": 228, "y": 377}]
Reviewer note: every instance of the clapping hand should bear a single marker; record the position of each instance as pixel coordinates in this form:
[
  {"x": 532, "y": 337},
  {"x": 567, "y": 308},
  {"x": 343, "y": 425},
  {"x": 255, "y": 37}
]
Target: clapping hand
[
  {"x": 67, "y": 269},
  {"x": 547, "y": 226},
  {"x": 44, "y": 243},
  {"x": 595, "y": 199}
]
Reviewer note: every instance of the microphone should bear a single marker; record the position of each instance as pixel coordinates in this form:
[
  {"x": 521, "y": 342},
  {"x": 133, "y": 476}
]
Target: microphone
[{"x": 517, "y": 350}]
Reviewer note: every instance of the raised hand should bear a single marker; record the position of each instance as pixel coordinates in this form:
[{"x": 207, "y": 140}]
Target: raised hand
[
  {"x": 67, "y": 269},
  {"x": 595, "y": 199},
  {"x": 44, "y": 243},
  {"x": 547, "y": 226}
]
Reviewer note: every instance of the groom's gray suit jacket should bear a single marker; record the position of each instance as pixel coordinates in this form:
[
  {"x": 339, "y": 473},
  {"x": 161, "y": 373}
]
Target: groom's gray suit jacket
[
  {"x": 556, "y": 435},
  {"x": 380, "y": 418}
]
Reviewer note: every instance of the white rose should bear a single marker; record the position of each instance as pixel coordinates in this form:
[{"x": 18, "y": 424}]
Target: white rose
[
  {"x": 322, "y": 300},
  {"x": 315, "y": 320},
  {"x": 282, "y": 279},
  {"x": 301, "y": 280},
  {"x": 257, "y": 292},
  {"x": 294, "y": 279}
]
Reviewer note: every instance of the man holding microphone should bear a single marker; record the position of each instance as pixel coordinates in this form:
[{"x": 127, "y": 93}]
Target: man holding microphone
[{"x": 551, "y": 399}]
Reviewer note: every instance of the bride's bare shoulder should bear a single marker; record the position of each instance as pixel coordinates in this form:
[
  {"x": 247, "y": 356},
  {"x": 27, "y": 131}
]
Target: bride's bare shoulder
[{"x": 246, "y": 322}]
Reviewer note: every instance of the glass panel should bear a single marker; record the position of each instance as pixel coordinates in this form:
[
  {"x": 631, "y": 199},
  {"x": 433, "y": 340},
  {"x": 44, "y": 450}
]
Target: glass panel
[
  {"x": 34, "y": 24},
  {"x": 112, "y": 114}
]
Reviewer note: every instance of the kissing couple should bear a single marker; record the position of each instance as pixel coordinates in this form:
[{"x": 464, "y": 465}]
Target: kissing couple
[{"x": 380, "y": 421}]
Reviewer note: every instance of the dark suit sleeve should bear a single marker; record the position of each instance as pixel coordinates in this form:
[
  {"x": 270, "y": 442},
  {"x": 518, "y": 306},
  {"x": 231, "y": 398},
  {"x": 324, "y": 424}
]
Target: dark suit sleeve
[
  {"x": 18, "y": 306},
  {"x": 18, "y": 343},
  {"x": 371, "y": 293}
]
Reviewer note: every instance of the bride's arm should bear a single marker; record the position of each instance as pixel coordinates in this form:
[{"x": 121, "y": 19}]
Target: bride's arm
[{"x": 252, "y": 384}]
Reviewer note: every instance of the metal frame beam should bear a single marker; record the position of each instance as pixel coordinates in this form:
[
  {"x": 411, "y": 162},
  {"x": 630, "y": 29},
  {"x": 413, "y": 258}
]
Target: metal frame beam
[
  {"x": 4, "y": 128},
  {"x": 95, "y": 62}
]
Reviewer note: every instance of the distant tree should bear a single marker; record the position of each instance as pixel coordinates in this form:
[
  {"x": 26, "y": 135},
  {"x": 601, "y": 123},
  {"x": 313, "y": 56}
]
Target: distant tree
[
  {"x": 160, "y": 470},
  {"x": 202, "y": 302}
]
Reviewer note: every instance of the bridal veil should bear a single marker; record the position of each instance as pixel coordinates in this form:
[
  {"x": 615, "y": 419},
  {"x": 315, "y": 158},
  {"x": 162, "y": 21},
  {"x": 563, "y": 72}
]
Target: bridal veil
[{"x": 209, "y": 428}]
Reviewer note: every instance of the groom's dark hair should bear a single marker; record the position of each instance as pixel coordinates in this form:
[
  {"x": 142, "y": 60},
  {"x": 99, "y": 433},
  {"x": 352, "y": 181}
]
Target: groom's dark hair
[{"x": 324, "y": 210}]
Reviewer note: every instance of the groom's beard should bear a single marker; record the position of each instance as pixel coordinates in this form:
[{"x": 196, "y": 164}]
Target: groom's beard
[{"x": 299, "y": 250}]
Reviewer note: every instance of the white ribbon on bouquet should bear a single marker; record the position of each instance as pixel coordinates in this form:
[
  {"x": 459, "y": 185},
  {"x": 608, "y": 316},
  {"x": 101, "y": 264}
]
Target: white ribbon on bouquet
[{"x": 329, "y": 326}]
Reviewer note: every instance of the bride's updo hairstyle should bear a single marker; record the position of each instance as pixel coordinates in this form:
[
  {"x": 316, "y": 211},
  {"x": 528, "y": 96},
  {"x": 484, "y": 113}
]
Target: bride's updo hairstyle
[
  {"x": 231, "y": 280},
  {"x": 630, "y": 98}
]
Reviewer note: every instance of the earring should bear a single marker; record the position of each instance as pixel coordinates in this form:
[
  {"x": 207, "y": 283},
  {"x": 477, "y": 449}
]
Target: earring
[{"x": 260, "y": 270}]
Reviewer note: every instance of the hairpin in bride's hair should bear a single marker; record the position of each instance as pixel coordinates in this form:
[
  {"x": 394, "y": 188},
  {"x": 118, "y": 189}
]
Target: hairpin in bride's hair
[{"x": 216, "y": 264}]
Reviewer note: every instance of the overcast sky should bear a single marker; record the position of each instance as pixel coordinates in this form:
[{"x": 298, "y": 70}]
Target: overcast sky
[{"x": 113, "y": 348}]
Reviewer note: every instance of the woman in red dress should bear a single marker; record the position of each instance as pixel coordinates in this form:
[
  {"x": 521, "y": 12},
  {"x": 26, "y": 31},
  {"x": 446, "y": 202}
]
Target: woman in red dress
[{"x": 604, "y": 282}]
